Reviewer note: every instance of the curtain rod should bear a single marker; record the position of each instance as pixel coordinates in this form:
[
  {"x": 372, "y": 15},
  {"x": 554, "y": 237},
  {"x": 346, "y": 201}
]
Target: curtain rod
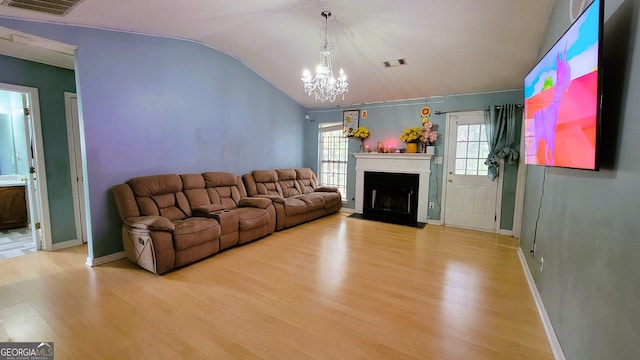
[{"x": 485, "y": 108}]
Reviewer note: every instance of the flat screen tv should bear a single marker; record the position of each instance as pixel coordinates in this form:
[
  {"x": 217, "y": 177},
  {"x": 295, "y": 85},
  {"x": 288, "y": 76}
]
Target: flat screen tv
[{"x": 563, "y": 98}]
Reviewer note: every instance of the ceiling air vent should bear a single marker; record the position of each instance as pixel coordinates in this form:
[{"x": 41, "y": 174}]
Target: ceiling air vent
[
  {"x": 55, "y": 7},
  {"x": 394, "y": 63}
]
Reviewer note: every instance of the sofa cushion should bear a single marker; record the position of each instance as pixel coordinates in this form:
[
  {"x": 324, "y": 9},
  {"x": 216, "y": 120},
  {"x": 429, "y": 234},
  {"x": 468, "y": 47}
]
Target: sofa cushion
[
  {"x": 307, "y": 180},
  {"x": 265, "y": 175},
  {"x": 195, "y": 192},
  {"x": 224, "y": 188},
  {"x": 255, "y": 202},
  {"x": 161, "y": 195},
  {"x": 215, "y": 179},
  {"x": 251, "y": 217},
  {"x": 155, "y": 184},
  {"x": 288, "y": 183},
  {"x": 331, "y": 199},
  {"x": 313, "y": 201},
  {"x": 266, "y": 183},
  {"x": 195, "y": 231},
  {"x": 294, "y": 206}
]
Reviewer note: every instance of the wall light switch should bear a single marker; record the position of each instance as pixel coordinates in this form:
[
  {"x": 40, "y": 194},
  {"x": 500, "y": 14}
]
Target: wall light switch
[{"x": 439, "y": 159}]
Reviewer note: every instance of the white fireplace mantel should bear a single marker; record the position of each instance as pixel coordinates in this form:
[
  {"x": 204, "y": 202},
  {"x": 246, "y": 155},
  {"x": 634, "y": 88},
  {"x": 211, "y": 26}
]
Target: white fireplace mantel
[{"x": 403, "y": 163}]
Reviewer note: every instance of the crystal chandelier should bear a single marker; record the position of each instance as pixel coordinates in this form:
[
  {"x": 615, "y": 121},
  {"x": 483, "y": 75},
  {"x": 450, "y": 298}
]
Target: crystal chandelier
[{"x": 324, "y": 85}]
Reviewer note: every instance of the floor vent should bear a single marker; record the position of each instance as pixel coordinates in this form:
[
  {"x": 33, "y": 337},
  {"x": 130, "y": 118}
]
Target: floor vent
[{"x": 55, "y": 7}]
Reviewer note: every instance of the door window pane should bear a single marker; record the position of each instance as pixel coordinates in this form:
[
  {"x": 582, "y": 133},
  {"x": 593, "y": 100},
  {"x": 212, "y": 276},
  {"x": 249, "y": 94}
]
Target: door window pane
[
  {"x": 474, "y": 133},
  {"x": 484, "y": 150},
  {"x": 472, "y": 150},
  {"x": 461, "y": 165},
  {"x": 463, "y": 131},
  {"x": 461, "y": 151}
]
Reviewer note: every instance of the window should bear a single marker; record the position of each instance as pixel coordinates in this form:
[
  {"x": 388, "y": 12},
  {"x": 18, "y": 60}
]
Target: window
[
  {"x": 472, "y": 149},
  {"x": 332, "y": 157}
]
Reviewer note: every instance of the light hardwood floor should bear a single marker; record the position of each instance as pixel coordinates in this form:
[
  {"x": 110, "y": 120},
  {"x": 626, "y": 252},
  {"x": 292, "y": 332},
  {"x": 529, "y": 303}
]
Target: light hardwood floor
[{"x": 335, "y": 288}]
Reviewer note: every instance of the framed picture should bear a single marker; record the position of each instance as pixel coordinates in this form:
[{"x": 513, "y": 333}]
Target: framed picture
[{"x": 350, "y": 119}]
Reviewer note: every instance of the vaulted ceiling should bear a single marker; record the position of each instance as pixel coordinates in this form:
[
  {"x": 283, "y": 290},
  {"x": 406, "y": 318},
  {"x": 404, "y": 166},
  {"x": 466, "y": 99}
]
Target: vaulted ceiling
[{"x": 450, "y": 46}]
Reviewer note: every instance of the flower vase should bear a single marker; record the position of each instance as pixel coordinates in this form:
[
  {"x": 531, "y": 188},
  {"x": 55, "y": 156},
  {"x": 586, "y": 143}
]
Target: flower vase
[
  {"x": 430, "y": 150},
  {"x": 412, "y": 147},
  {"x": 362, "y": 147}
]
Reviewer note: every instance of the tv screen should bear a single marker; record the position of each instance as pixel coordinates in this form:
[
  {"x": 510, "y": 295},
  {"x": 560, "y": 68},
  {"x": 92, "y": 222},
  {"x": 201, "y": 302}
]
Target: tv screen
[{"x": 563, "y": 98}]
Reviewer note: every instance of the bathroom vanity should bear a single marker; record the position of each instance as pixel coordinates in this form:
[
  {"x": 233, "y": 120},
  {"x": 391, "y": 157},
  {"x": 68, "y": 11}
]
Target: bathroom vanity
[{"x": 13, "y": 205}]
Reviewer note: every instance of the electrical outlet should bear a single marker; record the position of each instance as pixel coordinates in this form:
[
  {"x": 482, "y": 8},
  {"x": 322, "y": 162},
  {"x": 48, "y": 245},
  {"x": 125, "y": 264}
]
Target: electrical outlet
[
  {"x": 541, "y": 263},
  {"x": 432, "y": 205},
  {"x": 439, "y": 159}
]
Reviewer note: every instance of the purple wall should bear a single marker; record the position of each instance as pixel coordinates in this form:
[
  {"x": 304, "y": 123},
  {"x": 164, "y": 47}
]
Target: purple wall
[{"x": 154, "y": 105}]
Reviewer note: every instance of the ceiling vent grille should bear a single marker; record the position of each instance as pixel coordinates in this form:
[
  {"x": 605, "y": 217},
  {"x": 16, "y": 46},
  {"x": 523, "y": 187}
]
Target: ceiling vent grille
[
  {"x": 55, "y": 7},
  {"x": 394, "y": 63}
]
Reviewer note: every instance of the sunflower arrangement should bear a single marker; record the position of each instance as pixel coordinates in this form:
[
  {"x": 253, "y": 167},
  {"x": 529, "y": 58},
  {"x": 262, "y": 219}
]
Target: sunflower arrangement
[
  {"x": 412, "y": 135},
  {"x": 361, "y": 133}
]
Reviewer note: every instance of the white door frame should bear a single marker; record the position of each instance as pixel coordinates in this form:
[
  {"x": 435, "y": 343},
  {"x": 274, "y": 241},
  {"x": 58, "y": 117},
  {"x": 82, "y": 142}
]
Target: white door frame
[
  {"x": 450, "y": 117},
  {"x": 38, "y": 152},
  {"x": 76, "y": 165}
]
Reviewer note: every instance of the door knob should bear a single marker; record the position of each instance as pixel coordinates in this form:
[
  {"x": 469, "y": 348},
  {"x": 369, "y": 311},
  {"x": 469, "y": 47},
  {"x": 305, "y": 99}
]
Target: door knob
[{"x": 450, "y": 180}]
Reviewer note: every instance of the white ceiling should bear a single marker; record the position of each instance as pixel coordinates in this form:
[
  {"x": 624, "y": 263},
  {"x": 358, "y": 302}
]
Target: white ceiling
[{"x": 451, "y": 46}]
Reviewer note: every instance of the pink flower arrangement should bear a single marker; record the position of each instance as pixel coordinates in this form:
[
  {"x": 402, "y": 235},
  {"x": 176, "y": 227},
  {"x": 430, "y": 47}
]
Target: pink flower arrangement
[{"x": 429, "y": 132}]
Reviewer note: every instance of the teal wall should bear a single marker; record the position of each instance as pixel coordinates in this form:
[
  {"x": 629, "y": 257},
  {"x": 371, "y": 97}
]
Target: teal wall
[
  {"x": 588, "y": 231},
  {"x": 51, "y": 82},
  {"x": 386, "y": 121}
]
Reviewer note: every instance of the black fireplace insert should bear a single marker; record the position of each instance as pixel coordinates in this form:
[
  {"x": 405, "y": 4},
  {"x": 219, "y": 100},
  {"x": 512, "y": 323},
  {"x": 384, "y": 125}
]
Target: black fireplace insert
[{"x": 391, "y": 197}]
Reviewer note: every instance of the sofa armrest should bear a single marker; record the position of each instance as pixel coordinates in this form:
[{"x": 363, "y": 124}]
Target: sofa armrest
[
  {"x": 204, "y": 210},
  {"x": 255, "y": 202},
  {"x": 326, "y": 189},
  {"x": 150, "y": 223},
  {"x": 274, "y": 198}
]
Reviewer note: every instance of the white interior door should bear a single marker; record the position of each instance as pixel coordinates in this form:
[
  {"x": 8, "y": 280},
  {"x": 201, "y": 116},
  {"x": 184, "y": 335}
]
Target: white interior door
[
  {"x": 470, "y": 197},
  {"x": 30, "y": 156},
  {"x": 75, "y": 162},
  {"x": 35, "y": 217}
]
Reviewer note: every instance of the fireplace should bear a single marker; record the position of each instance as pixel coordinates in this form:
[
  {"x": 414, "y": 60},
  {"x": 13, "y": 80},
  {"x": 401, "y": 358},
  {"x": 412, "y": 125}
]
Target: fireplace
[
  {"x": 391, "y": 196},
  {"x": 416, "y": 165}
]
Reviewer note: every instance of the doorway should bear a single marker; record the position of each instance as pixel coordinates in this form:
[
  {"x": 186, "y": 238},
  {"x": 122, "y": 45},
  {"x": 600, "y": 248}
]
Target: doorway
[
  {"x": 74, "y": 137},
  {"x": 22, "y": 165},
  {"x": 471, "y": 199}
]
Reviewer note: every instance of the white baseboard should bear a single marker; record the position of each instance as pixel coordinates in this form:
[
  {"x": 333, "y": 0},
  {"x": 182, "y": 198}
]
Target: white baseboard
[
  {"x": 505, "y": 232},
  {"x": 66, "y": 244},
  {"x": 435, "y": 222},
  {"x": 347, "y": 210},
  {"x": 105, "y": 259},
  {"x": 556, "y": 348}
]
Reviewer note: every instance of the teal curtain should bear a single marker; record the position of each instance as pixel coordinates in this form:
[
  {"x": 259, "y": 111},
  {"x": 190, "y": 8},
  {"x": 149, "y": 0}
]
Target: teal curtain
[{"x": 501, "y": 132}]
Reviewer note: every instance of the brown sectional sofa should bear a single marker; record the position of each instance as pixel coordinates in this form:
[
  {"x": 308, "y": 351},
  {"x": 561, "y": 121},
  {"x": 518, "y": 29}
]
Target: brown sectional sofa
[
  {"x": 173, "y": 220},
  {"x": 295, "y": 194},
  {"x": 222, "y": 196}
]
